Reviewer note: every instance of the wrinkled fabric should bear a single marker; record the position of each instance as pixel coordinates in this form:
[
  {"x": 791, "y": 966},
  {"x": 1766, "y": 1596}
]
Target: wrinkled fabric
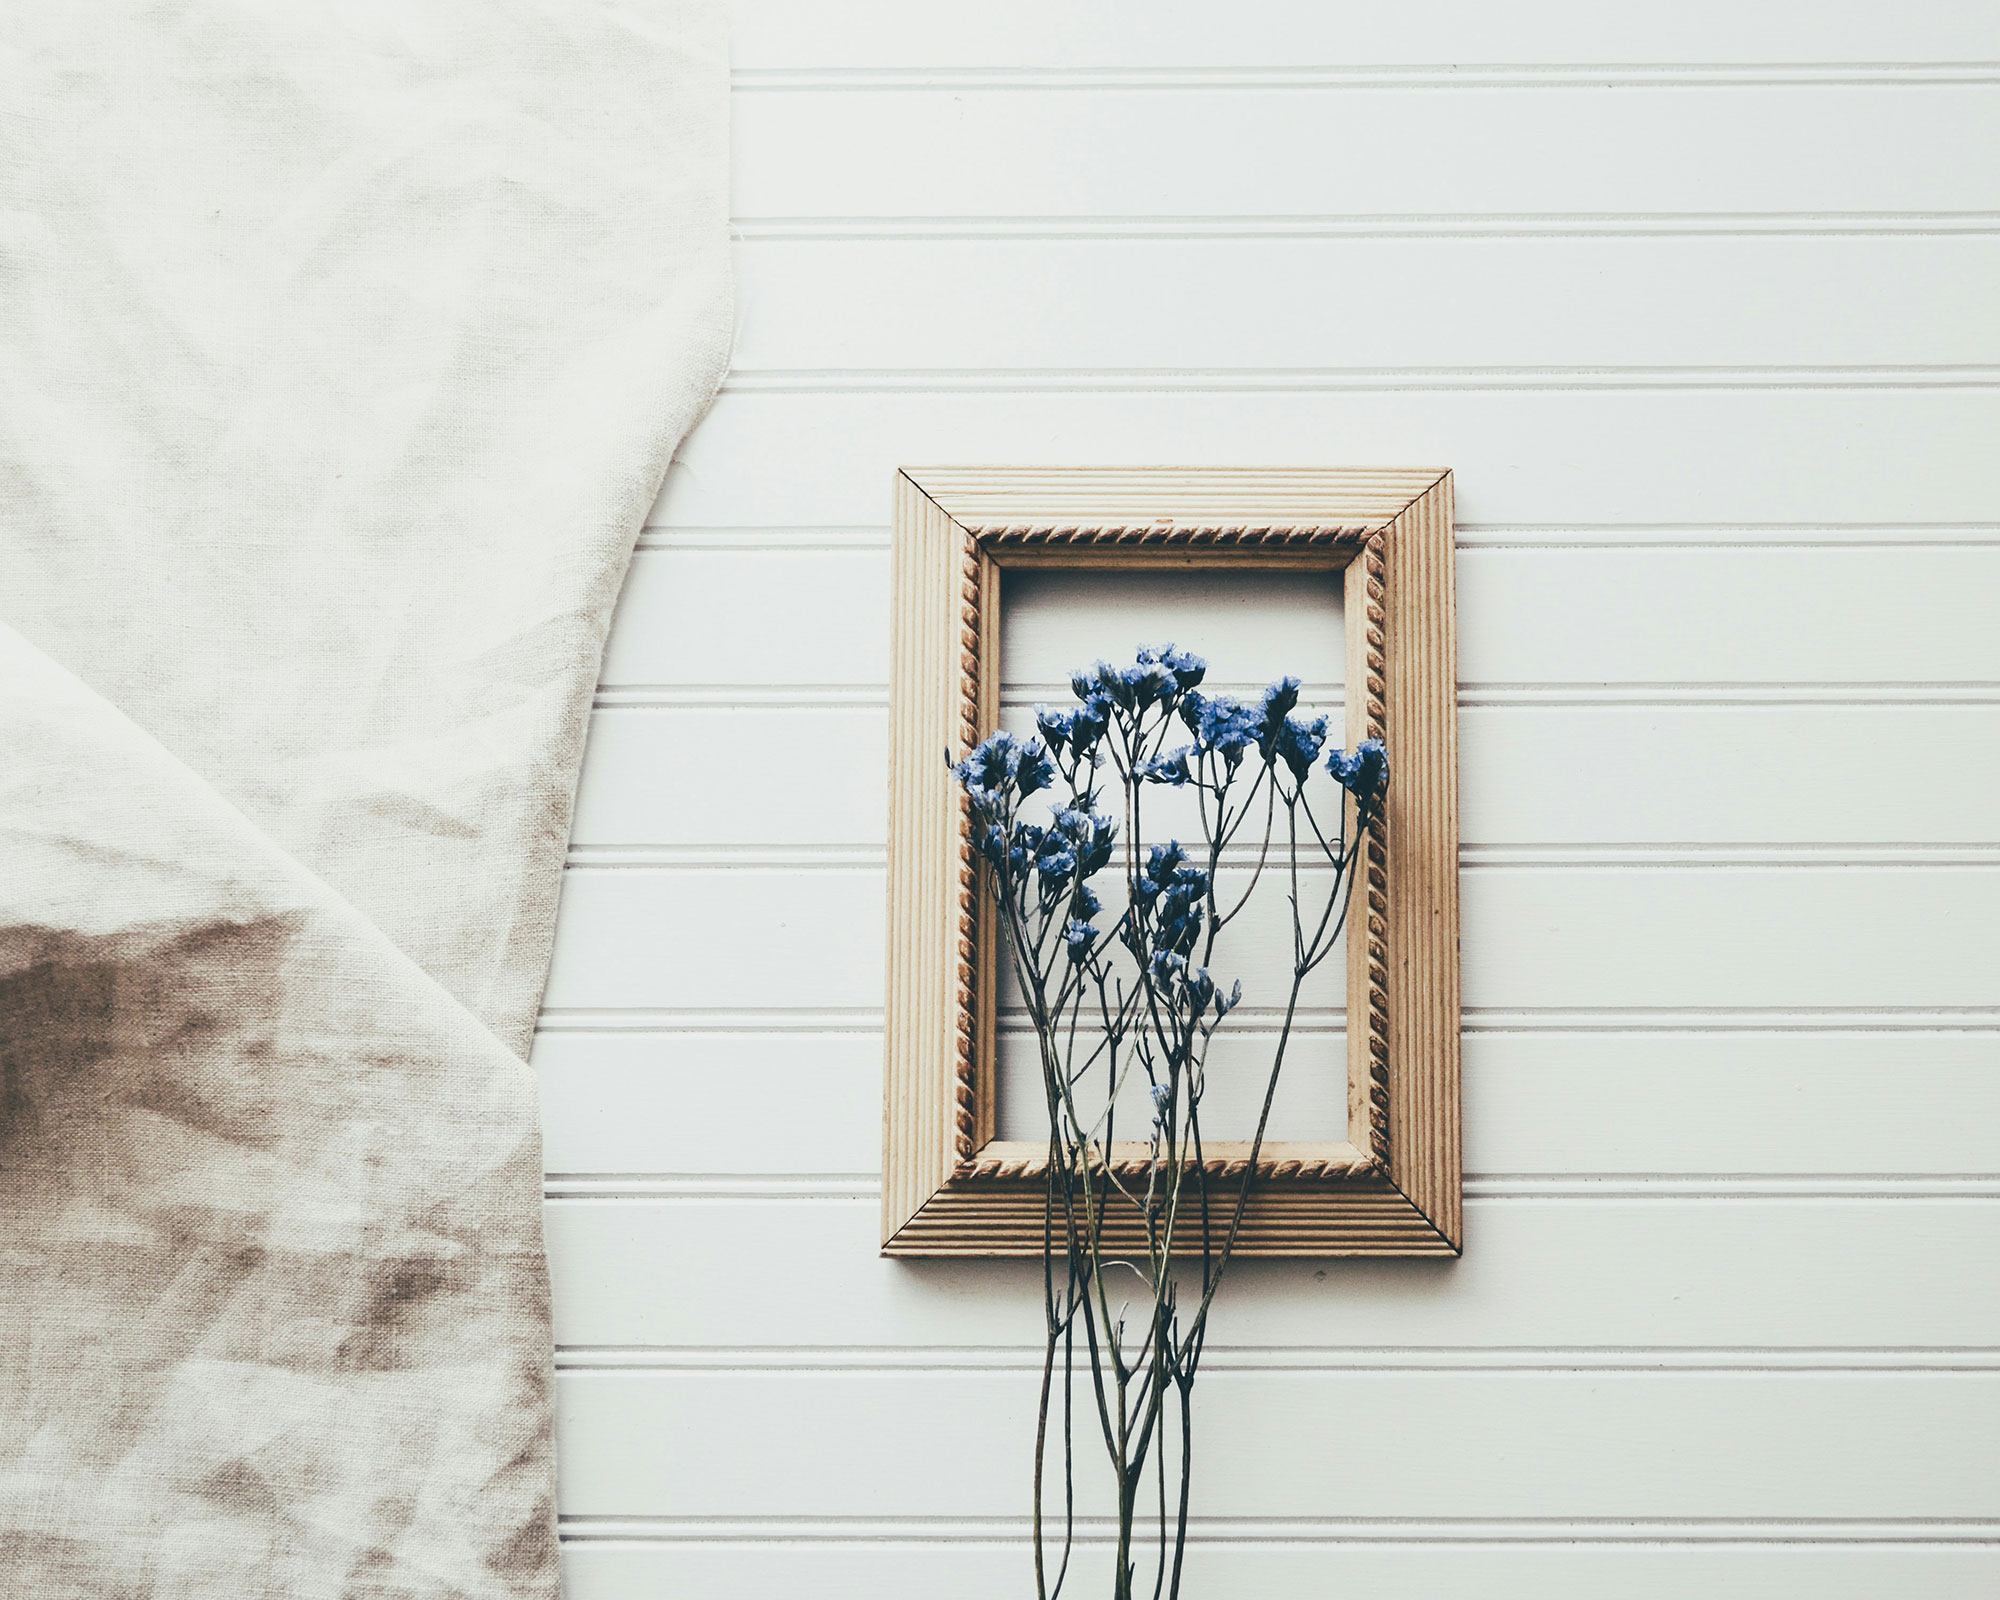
[{"x": 343, "y": 348}]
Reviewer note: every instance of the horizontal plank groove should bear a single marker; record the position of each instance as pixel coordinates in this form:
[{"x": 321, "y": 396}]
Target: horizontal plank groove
[
  {"x": 1551, "y": 1019},
  {"x": 1734, "y": 1019},
  {"x": 868, "y": 538},
  {"x": 802, "y": 697},
  {"x": 710, "y": 1185},
  {"x": 1313, "y": 1531},
  {"x": 1369, "y": 380},
  {"x": 1470, "y": 535},
  {"x": 764, "y": 459},
  {"x": 1019, "y": 694},
  {"x": 1303, "y": 1359},
  {"x": 860, "y": 537},
  {"x": 1620, "y": 1186},
  {"x": 1974, "y": 692},
  {"x": 1377, "y": 225},
  {"x": 1711, "y": 1445},
  {"x": 731, "y": 697},
  {"x": 1414, "y": 75},
  {"x": 892, "y": 35},
  {"x": 1724, "y": 535},
  {"x": 682, "y": 1020},
  {"x": 953, "y": 153},
  {"x": 1859, "y": 855}
]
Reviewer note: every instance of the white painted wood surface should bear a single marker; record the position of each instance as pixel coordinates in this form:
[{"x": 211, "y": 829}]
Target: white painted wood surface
[{"x": 1699, "y": 302}]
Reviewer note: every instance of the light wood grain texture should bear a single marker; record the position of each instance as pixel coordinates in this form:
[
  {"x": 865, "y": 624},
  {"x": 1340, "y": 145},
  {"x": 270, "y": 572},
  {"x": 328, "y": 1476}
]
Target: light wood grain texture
[
  {"x": 1393, "y": 1186},
  {"x": 928, "y": 942}
]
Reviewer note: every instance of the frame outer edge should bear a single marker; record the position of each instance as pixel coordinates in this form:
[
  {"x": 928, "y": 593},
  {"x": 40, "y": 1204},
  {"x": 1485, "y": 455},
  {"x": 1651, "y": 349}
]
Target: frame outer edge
[
  {"x": 1422, "y": 819},
  {"x": 940, "y": 610},
  {"x": 925, "y": 1010}
]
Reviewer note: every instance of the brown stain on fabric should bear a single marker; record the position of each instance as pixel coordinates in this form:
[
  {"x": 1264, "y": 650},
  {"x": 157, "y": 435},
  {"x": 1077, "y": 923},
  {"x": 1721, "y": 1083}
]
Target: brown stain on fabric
[
  {"x": 49, "y": 1566},
  {"x": 184, "y": 1153},
  {"x": 393, "y": 1296},
  {"x": 168, "y": 1021},
  {"x": 55, "y": 1025},
  {"x": 239, "y": 1488}
]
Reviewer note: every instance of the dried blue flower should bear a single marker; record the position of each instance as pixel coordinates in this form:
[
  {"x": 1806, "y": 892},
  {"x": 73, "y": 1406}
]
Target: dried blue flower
[
  {"x": 1090, "y": 838},
  {"x": 1166, "y": 966},
  {"x": 1200, "y": 987},
  {"x": 992, "y": 764},
  {"x": 1365, "y": 774},
  {"x": 1088, "y": 724},
  {"x": 1163, "y": 1099},
  {"x": 1223, "y": 725},
  {"x": 1055, "y": 864},
  {"x": 1187, "y": 667},
  {"x": 1086, "y": 904},
  {"x": 1036, "y": 771},
  {"x": 1002, "y": 767},
  {"x": 1179, "y": 902},
  {"x": 1272, "y": 710},
  {"x": 1102, "y": 682},
  {"x": 1023, "y": 847},
  {"x": 1148, "y": 683},
  {"x": 1162, "y": 860},
  {"x": 1054, "y": 727},
  {"x": 1298, "y": 744},
  {"x": 1079, "y": 936},
  {"x": 1171, "y": 768},
  {"x": 993, "y": 846},
  {"x": 1373, "y": 776}
]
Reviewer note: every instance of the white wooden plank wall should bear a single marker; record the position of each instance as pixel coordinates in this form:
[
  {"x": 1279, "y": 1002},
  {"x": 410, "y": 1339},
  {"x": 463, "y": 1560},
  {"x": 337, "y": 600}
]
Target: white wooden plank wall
[{"x": 1700, "y": 300}]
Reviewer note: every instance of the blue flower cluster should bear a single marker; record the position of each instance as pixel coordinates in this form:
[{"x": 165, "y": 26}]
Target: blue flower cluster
[
  {"x": 1076, "y": 845},
  {"x": 1159, "y": 675},
  {"x": 1182, "y": 980},
  {"x": 1003, "y": 771},
  {"x": 1074, "y": 735},
  {"x": 1052, "y": 863},
  {"x": 1048, "y": 868},
  {"x": 1227, "y": 729},
  {"x": 1365, "y": 774},
  {"x": 1175, "y": 892}
]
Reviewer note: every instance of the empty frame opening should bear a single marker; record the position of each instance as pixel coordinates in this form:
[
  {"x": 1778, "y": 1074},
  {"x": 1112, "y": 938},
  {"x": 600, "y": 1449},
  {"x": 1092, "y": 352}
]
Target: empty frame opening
[{"x": 1252, "y": 627}]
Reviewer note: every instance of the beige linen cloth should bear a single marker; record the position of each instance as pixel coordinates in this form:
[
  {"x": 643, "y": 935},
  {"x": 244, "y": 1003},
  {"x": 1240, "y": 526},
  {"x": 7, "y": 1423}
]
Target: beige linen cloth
[{"x": 343, "y": 346}]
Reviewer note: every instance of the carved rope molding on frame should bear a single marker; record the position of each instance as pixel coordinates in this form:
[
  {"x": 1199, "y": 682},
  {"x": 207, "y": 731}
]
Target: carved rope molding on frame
[
  {"x": 1367, "y": 564},
  {"x": 1374, "y": 858}
]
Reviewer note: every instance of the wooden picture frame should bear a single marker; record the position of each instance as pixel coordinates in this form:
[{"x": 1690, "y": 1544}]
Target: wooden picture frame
[{"x": 950, "y": 1188}]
